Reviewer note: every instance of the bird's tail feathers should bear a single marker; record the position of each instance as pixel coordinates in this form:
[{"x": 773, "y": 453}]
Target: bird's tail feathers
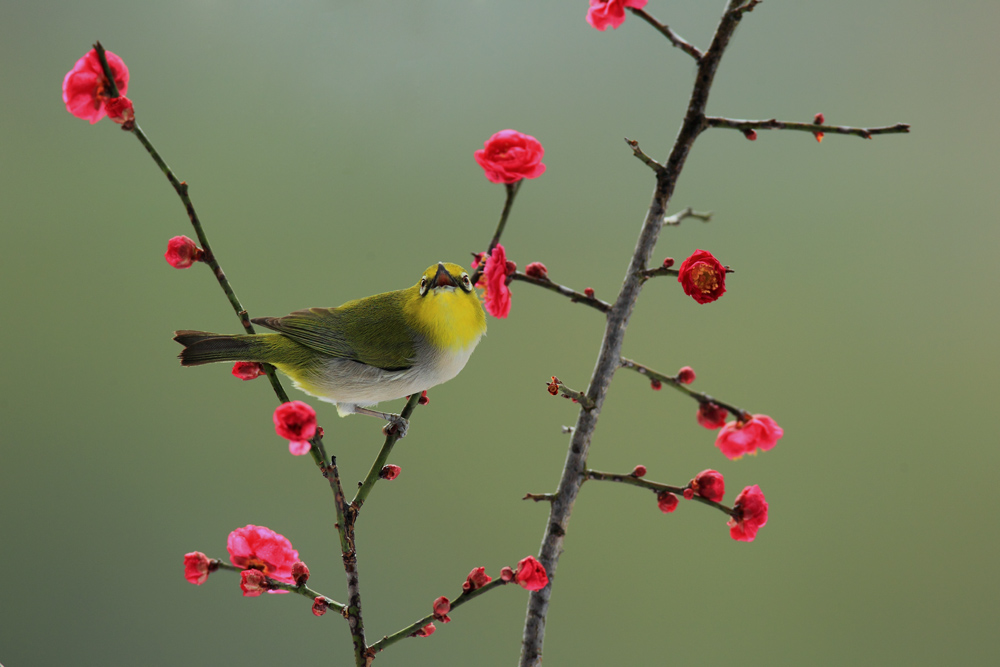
[{"x": 203, "y": 347}]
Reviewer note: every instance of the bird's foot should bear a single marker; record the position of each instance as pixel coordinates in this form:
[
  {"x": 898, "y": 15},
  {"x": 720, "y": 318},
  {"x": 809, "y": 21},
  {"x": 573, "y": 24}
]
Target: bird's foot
[{"x": 397, "y": 426}]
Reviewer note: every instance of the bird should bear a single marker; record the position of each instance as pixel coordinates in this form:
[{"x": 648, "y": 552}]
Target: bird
[{"x": 366, "y": 351}]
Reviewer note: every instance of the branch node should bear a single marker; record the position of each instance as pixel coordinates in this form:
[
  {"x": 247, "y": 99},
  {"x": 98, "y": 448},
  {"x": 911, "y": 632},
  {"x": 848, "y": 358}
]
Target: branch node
[
  {"x": 538, "y": 497},
  {"x": 677, "y": 218},
  {"x": 557, "y": 388},
  {"x": 648, "y": 161}
]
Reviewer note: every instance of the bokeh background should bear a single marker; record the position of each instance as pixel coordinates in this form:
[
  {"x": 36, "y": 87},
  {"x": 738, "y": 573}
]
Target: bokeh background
[{"x": 328, "y": 146}]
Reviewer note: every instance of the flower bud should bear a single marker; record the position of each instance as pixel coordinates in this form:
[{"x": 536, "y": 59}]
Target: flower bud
[
  {"x": 182, "y": 252},
  {"x": 711, "y": 416},
  {"x": 709, "y": 484},
  {"x": 506, "y": 574},
  {"x": 300, "y": 573},
  {"x": 425, "y": 631},
  {"x": 750, "y": 134},
  {"x": 441, "y": 608},
  {"x": 639, "y": 471},
  {"x": 196, "y": 567},
  {"x": 390, "y": 472},
  {"x": 530, "y": 574},
  {"x": 685, "y": 375},
  {"x": 536, "y": 270},
  {"x": 666, "y": 501},
  {"x": 476, "y": 579},
  {"x": 247, "y": 370},
  {"x": 319, "y": 606}
]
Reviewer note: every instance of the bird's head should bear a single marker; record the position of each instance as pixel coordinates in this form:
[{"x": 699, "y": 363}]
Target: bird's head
[
  {"x": 445, "y": 307},
  {"x": 444, "y": 277}
]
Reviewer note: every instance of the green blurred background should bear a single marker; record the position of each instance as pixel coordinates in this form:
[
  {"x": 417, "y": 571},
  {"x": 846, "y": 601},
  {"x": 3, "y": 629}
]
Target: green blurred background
[{"x": 328, "y": 146}]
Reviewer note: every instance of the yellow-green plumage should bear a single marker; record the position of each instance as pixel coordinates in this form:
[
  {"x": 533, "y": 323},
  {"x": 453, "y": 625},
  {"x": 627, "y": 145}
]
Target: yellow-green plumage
[{"x": 369, "y": 350}]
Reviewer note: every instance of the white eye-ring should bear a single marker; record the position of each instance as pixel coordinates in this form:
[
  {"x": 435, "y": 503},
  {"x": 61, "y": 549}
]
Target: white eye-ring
[
  {"x": 423, "y": 286},
  {"x": 466, "y": 283}
]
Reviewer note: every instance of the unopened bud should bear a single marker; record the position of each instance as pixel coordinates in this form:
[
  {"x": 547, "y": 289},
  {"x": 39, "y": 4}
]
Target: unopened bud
[
  {"x": 536, "y": 270},
  {"x": 300, "y": 573},
  {"x": 319, "y": 606}
]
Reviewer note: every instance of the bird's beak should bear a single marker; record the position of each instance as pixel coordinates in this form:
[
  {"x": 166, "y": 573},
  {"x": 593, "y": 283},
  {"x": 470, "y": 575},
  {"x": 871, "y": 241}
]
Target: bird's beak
[{"x": 442, "y": 278}]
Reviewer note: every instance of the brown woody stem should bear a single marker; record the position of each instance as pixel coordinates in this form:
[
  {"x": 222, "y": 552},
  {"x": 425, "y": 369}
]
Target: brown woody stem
[{"x": 775, "y": 124}]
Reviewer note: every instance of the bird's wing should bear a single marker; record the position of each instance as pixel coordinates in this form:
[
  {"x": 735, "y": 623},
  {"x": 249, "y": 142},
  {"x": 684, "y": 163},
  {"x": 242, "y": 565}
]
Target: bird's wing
[{"x": 371, "y": 331}]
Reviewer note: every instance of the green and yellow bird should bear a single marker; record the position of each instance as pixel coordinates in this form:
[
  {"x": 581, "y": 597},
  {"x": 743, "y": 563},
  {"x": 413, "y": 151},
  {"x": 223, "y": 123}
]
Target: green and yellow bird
[{"x": 374, "y": 349}]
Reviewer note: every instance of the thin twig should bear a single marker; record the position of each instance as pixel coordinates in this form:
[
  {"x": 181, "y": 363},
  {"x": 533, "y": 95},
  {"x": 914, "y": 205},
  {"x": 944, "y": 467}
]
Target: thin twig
[
  {"x": 383, "y": 457},
  {"x": 672, "y": 380},
  {"x": 680, "y": 216},
  {"x": 512, "y": 190},
  {"x": 274, "y": 584},
  {"x": 659, "y": 271},
  {"x": 558, "y": 388},
  {"x": 573, "y": 295},
  {"x": 739, "y": 11},
  {"x": 667, "y": 271},
  {"x": 648, "y": 161},
  {"x": 813, "y": 128},
  {"x": 644, "y": 483},
  {"x": 412, "y": 628},
  {"x": 665, "y": 30}
]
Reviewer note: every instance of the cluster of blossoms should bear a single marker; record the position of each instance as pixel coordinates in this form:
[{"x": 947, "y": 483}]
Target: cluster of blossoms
[
  {"x": 749, "y": 512},
  {"x": 529, "y": 574},
  {"x": 261, "y": 553},
  {"x": 86, "y": 90},
  {"x": 708, "y": 484},
  {"x": 742, "y": 436}
]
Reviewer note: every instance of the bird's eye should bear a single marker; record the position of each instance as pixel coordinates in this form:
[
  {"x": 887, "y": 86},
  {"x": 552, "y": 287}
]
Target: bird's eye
[
  {"x": 466, "y": 283},
  {"x": 423, "y": 286}
]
